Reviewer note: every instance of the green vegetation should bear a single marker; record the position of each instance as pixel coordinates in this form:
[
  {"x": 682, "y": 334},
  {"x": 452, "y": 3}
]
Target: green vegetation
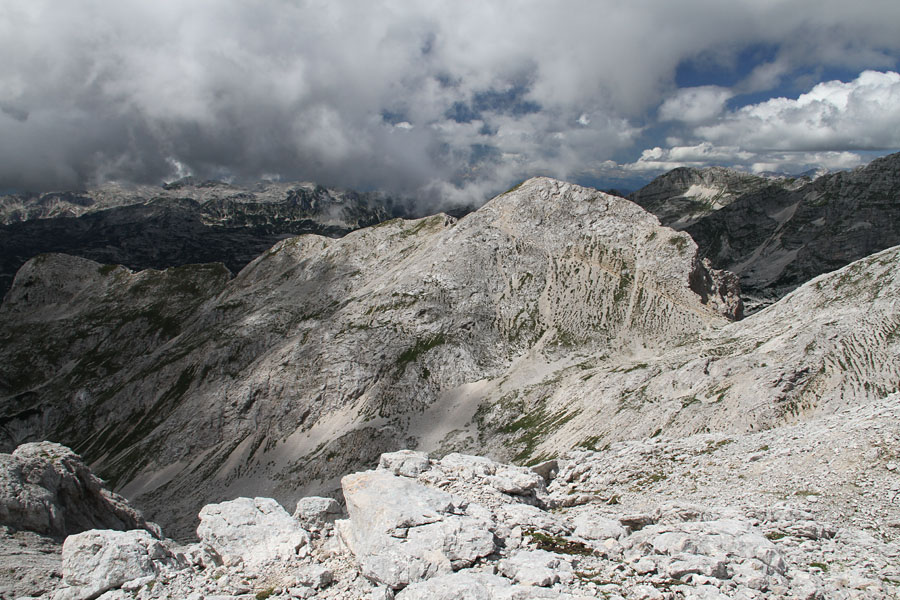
[
  {"x": 421, "y": 347},
  {"x": 263, "y": 594},
  {"x": 590, "y": 443},
  {"x": 819, "y": 565},
  {"x": 534, "y": 427},
  {"x": 679, "y": 242},
  {"x": 713, "y": 446},
  {"x": 554, "y": 543},
  {"x": 513, "y": 188}
]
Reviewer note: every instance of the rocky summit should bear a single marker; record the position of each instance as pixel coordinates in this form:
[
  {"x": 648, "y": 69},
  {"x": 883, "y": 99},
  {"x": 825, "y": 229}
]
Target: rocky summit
[{"x": 554, "y": 396}]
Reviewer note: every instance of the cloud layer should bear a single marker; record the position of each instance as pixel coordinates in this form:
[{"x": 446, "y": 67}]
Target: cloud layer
[
  {"x": 450, "y": 101},
  {"x": 819, "y": 129}
]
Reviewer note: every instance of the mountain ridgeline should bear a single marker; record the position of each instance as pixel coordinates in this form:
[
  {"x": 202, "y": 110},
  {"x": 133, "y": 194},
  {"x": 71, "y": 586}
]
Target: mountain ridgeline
[
  {"x": 185, "y": 222},
  {"x": 554, "y": 317},
  {"x": 776, "y": 232}
]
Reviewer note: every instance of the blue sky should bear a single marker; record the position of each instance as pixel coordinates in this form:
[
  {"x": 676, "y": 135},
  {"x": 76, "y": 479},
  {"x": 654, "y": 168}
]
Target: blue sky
[{"x": 446, "y": 102}]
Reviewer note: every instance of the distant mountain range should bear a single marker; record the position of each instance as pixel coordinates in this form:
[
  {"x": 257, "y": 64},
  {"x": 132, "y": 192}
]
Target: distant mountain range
[{"x": 185, "y": 222}]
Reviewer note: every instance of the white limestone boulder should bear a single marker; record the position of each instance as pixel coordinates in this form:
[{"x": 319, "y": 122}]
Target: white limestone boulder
[
  {"x": 597, "y": 527},
  {"x": 407, "y": 463},
  {"x": 401, "y": 531},
  {"x": 254, "y": 531},
  {"x": 96, "y": 561},
  {"x": 316, "y": 513}
]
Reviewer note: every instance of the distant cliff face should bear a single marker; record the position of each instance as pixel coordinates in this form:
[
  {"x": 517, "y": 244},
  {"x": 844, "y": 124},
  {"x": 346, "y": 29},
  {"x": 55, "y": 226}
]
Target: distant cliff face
[
  {"x": 182, "y": 223},
  {"x": 778, "y": 233}
]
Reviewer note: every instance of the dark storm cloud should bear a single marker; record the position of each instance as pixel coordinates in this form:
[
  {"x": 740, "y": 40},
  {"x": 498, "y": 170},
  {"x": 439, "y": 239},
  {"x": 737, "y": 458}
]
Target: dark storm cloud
[{"x": 442, "y": 100}]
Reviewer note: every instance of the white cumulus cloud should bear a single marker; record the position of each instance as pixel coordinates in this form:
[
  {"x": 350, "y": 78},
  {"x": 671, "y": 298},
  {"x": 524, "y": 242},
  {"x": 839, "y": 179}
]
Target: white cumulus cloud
[
  {"x": 863, "y": 114},
  {"x": 695, "y": 104}
]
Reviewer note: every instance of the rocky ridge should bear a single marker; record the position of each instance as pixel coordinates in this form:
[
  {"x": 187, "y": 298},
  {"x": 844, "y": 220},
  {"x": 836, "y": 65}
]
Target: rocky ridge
[
  {"x": 685, "y": 195},
  {"x": 321, "y": 345}
]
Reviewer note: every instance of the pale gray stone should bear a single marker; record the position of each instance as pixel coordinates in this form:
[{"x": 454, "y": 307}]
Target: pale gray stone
[
  {"x": 316, "y": 513},
  {"x": 475, "y": 586},
  {"x": 536, "y": 567},
  {"x": 99, "y": 560},
  {"x": 407, "y": 463},
  {"x": 254, "y": 531},
  {"x": 402, "y": 532},
  {"x": 596, "y": 527}
]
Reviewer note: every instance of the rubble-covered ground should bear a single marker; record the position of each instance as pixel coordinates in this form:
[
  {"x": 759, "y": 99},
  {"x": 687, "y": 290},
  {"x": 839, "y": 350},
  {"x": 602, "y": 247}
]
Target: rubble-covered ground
[{"x": 802, "y": 511}]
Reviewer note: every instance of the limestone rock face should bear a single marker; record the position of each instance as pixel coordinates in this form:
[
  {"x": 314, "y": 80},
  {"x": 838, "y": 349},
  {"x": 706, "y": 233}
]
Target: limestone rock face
[
  {"x": 99, "y": 560},
  {"x": 317, "y": 514},
  {"x": 402, "y": 532},
  {"x": 47, "y": 489},
  {"x": 254, "y": 531},
  {"x": 685, "y": 195}
]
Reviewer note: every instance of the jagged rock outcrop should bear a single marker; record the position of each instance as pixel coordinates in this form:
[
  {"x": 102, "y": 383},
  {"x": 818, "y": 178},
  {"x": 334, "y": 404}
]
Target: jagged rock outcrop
[
  {"x": 343, "y": 340},
  {"x": 778, "y": 233},
  {"x": 47, "y": 489},
  {"x": 181, "y": 223}
]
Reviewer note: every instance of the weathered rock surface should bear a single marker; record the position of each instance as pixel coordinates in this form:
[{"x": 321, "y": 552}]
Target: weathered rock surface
[
  {"x": 99, "y": 560},
  {"x": 694, "y": 533},
  {"x": 323, "y": 353},
  {"x": 317, "y": 514},
  {"x": 402, "y": 532},
  {"x": 47, "y": 489},
  {"x": 255, "y": 531}
]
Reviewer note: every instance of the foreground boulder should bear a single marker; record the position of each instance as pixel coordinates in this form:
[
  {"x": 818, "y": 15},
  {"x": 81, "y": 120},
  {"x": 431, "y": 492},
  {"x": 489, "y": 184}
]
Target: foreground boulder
[
  {"x": 401, "y": 531},
  {"x": 97, "y": 561},
  {"x": 46, "y": 488},
  {"x": 252, "y": 531}
]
